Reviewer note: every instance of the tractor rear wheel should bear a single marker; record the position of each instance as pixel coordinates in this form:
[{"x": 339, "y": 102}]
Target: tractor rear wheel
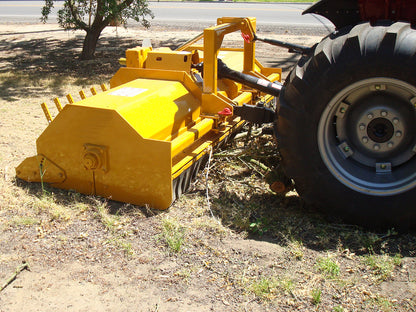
[{"x": 347, "y": 125}]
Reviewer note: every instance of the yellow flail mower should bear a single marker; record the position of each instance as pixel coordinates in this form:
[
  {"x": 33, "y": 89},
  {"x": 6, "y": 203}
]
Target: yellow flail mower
[{"x": 143, "y": 140}]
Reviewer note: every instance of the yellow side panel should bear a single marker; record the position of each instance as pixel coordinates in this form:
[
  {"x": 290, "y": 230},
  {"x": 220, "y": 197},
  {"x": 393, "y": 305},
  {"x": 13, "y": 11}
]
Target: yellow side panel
[{"x": 134, "y": 169}]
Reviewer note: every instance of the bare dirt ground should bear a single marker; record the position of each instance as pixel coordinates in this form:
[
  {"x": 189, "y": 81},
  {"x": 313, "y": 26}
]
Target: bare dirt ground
[{"x": 243, "y": 248}]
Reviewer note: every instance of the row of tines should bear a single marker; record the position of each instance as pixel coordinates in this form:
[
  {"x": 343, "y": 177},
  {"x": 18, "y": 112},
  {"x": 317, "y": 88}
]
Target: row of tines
[{"x": 70, "y": 101}]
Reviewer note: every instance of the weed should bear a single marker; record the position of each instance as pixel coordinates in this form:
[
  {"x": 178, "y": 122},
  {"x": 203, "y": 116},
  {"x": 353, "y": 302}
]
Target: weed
[
  {"x": 338, "y": 308},
  {"x": 370, "y": 241},
  {"x": 122, "y": 244},
  {"x": 268, "y": 287},
  {"x": 24, "y": 221},
  {"x": 259, "y": 227},
  {"x": 109, "y": 221},
  {"x": 296, "y": 249},
  {"x": 328, "y": 267},
  {"x": 287, "y": 285},
  {"x": 316, "y": 296},
  {"x": 241, "y": 221},
  {"x": 47, "y": 204},
  {"x": 382, "y": 266},
  {"x": 42, "y": 173},
  {"x": 81, "y": 207},
  {"x": 59, "y": 213},
  {"x": 126, "y": 247},
  {"x": 173, "y": 235},
  {"x": 264, "y": 288},
  {"x": 184, "y": 274},
  {"x": 381, "y": 303}
]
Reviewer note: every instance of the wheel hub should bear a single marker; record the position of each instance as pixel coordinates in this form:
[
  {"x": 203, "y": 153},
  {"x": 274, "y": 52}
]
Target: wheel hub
[
  {"x": 369, "y": 129},
  {"x": 380, "y": 130}
]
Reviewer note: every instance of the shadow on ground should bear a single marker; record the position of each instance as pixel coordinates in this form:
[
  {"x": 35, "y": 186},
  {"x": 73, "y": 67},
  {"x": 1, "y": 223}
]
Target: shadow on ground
[
  {"x": 26, "y": 66},
  {"x": 284, "y": 219}
]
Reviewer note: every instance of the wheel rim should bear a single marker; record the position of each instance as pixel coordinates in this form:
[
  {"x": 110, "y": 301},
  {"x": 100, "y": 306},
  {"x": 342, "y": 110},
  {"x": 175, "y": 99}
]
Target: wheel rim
[{"x": 367, "y": 136}]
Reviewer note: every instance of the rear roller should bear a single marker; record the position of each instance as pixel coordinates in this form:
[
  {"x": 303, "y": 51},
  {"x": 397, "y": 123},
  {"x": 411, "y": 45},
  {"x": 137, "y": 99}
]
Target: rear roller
[{"x": 347, "y": 125}]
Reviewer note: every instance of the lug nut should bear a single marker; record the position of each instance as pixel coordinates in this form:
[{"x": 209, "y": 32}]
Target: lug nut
[
  {"x": 370, "y": 116},
  {"x": 390, "y": 144},
  {"x": 384, "y": 113},
  {"x": 365, "y": 140},
  {"x": 398, "y": 134},
  {"x": 395, "y": 121},
  {"x": 376, "y": 147},
  {"x": 362, "y": 126}
]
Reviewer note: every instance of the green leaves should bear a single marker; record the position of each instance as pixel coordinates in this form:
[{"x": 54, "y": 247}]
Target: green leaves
[
  {"x": 94, "y": 15},
  {"x": 86, "y": 14},
  {"x": 46, "y": 10}
]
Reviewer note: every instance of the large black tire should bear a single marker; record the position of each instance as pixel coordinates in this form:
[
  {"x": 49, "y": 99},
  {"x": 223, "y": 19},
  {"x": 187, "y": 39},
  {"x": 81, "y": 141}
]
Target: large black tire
[{"x": 347, "y": 125}]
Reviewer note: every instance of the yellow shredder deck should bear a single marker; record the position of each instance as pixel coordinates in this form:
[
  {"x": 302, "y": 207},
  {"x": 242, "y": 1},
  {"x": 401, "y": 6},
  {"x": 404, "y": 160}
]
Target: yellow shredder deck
[{"x": 143, "y": 140}]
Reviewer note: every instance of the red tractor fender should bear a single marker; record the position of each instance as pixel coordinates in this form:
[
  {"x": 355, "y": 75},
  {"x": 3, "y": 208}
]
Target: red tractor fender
[{"x": 351, "y": 12}]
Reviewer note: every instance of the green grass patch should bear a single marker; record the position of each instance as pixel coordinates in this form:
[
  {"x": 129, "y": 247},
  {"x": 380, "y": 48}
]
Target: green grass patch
[
  {"x": 24, "y": 221},
  {"x": 268, "y": 288},
  {"x": 264, "y": 288},
  {"x": 173, "y": 235},
  {"x": 316, "y": 296},
  {"x": 328, "y": 267}
]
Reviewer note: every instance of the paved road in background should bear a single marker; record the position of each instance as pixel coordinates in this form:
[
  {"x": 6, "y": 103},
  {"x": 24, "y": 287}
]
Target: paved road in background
[{"x": 269, "y": 14}]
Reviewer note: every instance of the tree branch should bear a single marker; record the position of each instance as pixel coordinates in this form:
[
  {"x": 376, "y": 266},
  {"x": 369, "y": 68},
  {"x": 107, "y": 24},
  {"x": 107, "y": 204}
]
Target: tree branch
[
  {"x": 24, "y": 266},
  {"x": 77, "y": 19},
  {"x": 99, "y": 21}
]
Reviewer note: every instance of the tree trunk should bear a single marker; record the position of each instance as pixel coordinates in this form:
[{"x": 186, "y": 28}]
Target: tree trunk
[{"x": 90, "y": 43}]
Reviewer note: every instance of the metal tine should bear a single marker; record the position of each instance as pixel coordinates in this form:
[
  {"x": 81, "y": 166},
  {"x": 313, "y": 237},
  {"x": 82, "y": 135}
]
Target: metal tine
[
  {"x": 93, "y": 91},
  {"x": 46, "y": 112},
  {"x": 70, "y": 99},
  {"x": 104, "y": 87},
  {"x": 82, "y": 94},
  {"x": 58, "y": 104}
]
